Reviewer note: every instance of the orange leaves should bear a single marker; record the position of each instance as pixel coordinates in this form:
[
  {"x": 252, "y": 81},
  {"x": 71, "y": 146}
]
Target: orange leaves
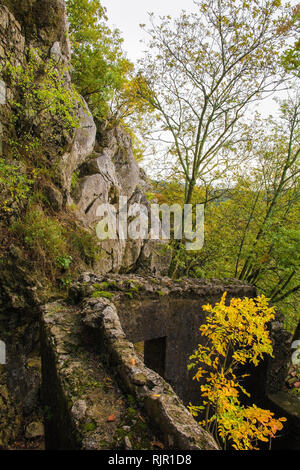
[
  {"x": 244, "y": 426},
  {"x": 111, "y": 418}
]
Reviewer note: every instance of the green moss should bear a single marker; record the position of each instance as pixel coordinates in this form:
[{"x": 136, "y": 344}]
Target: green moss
[
  {"x": 95, "y": 384},
  {"x": 105, "y": 285},
  {"x": 104, "y": 444},
  {"x": 131, "y": 400},
  {"x": 102, "y": 293},
  {"x": 75, "y": 177},
  {"x": 44, "y": 235},
  {"x": 134, "y": 286},
  {"x": 132, "y": 413},
  {"x": 89, "y": 427}
]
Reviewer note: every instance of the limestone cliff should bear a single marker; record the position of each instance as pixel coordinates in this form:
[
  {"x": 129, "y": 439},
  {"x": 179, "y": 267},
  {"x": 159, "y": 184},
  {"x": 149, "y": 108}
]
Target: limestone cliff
[{"x": 90, "y": 166}]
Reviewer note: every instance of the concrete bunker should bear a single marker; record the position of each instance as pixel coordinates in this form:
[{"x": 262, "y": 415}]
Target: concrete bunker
[{"x": 167, "y": 324}]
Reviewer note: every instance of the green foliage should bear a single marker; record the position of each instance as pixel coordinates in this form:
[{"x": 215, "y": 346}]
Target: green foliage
[
  {"x": 89, "y": 427},
  {"x": 100, "y": 68},
  {"x": 66, "y": 282},
  {"x": 42, "y": 91},
  {"x": 43, "y": 234},
  {"x": 14, "y": 185},
  {"x": 85, "y": 243},
  {"x": 251, "y": 227},
  {"x": 64, "y": 261},
  {"x": 75, "y": 177},
  {"x": 103, "y": 293},
  {"x": 291, "y": 57},
  {"x": 44, "y": 116}
]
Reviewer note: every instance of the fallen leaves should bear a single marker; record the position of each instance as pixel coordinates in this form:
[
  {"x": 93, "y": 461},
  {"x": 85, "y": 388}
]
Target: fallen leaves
[{"x": 111, "y": 418}]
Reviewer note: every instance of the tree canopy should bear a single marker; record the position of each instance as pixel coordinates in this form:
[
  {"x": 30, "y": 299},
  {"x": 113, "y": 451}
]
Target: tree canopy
[
  {"x": 100, "y": 67},
  {"x": 201, "y": 73}
]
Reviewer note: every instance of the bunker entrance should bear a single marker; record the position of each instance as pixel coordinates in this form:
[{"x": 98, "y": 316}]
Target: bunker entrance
[{"x": 153, "y": 353}]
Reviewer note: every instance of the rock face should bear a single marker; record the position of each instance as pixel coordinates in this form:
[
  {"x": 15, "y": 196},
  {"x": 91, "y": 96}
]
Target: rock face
[
  {"x": 43, "y": 22},
  {"x": 86, "y": 408},
  {"x": 166, "y": 316},
  {"x": 103, "y": 177},
  {"x": 34, "y": 430},
  {"x": 9, "y": 413},
  {"x": 96, "y": 166}
]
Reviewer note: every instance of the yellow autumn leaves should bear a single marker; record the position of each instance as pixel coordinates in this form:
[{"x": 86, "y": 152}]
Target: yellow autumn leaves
[
  {"x": 236, "y": 334},
  {"x": 242, "y": 326}
]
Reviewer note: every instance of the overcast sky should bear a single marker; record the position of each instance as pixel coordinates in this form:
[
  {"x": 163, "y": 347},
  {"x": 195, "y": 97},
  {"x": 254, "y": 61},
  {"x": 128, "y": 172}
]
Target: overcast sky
[{"x": 129, "y": 14}]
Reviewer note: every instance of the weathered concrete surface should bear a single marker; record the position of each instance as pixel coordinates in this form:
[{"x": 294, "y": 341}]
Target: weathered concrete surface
[
  {"x": 165, "y": 410},
  {"x": 85, "y": 409},
  {"x": 80, "y": 394},
  {"x": 118, "y": 311}
]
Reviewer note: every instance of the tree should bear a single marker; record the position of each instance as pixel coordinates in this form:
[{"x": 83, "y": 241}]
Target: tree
[
  {"x": 200, "y": 74},
  {"x": 291, "y": 57},
  {"x": 100, "y": 68},
  {"x": 235, "y": 335},
  {"x": 279, "y": 168},
  {"x": 252, "y": 229}
]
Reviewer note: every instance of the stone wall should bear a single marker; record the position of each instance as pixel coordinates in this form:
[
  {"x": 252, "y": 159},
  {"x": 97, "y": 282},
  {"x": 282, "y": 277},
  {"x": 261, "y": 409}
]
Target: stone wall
[
  {"x": 88, "y": 344},
  {"x": 83, "y": 414}
]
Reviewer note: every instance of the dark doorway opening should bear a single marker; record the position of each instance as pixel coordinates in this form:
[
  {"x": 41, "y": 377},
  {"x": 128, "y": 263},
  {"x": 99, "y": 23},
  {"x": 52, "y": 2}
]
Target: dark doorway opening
[{"x": 155, "y": 354}]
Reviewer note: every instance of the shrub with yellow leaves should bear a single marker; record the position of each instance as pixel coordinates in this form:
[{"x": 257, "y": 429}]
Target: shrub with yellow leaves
[{"x": 236, "y": 334}]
